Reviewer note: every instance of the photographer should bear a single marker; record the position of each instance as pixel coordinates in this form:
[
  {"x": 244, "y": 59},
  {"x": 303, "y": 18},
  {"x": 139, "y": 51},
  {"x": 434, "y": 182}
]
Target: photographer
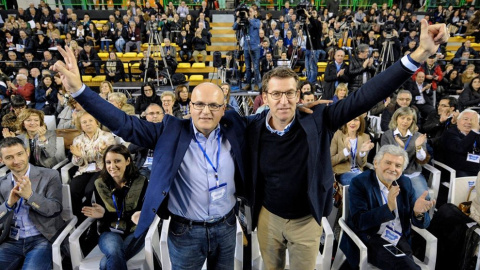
[
  {"x": 314, "y": 46},
  {"x": 251, "y": 46}
]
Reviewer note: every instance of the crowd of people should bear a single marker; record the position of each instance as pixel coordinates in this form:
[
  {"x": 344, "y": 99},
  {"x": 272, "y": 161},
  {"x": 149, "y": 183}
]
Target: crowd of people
[{"x": 194, "y": 153}]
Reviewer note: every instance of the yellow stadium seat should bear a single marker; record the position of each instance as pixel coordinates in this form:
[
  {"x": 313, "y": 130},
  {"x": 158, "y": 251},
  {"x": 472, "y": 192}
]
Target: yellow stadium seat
[
  {"x": 86, "y": 78},
  {"x": 103, "y": 55},
  {"x": 99, "y": 78},
  {"x": 302, "y": 78},
  {"x": 125, "y": 65},
  {"x": 130, "y": 54},
  {"x": 183, "y": 65},
  {"x": 196, "y": 78},
  {"x": 140, "y": 55},
  {"x": 322, "y": 64},
  {"x": 198, "y": 65},
  {"x": 135, "y": 65},
  {"x": 119, "y": 54}
]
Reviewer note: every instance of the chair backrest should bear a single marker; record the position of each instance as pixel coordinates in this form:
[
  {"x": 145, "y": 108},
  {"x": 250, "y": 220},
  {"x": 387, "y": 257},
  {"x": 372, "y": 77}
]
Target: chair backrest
[
  {"x": 460, "y": 188},
  {"x": 67, "y": 212},
  {"x": 51, "y": 122},
  {"x": 345, "y": 208}
]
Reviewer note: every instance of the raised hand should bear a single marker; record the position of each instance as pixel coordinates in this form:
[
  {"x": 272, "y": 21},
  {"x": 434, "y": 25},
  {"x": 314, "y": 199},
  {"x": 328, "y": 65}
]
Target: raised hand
[
  {"x": 431, "y": 36},
  {"x": 422, "y": 205},
  {"x": 399, "y": 141},
  {"x": 367, "y": 146},
  {"x": 7, "y": 133},
  {"x": 75, "y": 150},
  {"x": 392, "y": 197},
  {"x": 69, "y": 72},
  {"x": 420, "y": 140}
]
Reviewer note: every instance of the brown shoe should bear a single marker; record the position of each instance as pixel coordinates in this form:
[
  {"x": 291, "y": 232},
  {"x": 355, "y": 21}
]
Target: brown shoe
[
  {"x": 255, "y": 87},
  {"x": 246, "y": 87}
]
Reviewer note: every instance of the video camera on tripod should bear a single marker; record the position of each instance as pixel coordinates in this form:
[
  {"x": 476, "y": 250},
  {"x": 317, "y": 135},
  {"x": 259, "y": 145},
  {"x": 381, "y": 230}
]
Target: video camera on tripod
[
  {"x": 389, "y": 27},
  {"x": 242, "y": 10},
  {"x": 301, "y": 7}
]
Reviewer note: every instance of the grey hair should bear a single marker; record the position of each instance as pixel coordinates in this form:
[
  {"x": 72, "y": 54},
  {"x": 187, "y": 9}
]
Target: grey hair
[
  {"x": 362, "y": 47},
  {"x": 392, "y": 150},
  {"x": 404, "y": 92},
  {"x": 22, "y": 76},
  {"x": 467, "y": 111}
]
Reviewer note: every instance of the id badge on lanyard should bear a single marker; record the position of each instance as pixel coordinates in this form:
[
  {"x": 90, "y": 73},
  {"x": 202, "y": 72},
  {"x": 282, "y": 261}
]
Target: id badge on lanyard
[
  {"x": 390, "y": 234},
  {"x": 15, "y": 229},
  {"x": 474, "y": 157}
]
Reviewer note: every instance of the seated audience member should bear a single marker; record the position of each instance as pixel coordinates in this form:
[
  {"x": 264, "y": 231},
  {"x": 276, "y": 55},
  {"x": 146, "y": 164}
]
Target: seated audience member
[
  {"x": 31, "y": 202},
  {"x": 89, "y": 58},
  {"x": 386, "y": 219},
  {"x": 349, "y": 150},
  {"x": 12, "y": 64},
  {"x": 305, "y": 86},
  {"x": 403, "y": 99},
  {"x": 30, "y": 60},
  {"x": 283, "y": 61},
  {"x": 199, "y": 45},
  {"x": 466, "y": 47},
  {"x": 134, "y": 37},
  {"x": 46, "y": 96},
  {"x": 422, "y": 93},
  {"x": 432, "y": 72},
  {"x": 182, "y": 101},
  {"x": 278, "y": 49},
  {"x": 451, "y": 83},
  {"x": 48, "y": 60},
  {"x": 168, "y": 102},
  {"x": 230, "y": 100},
  {"x": 87, "y": 153},
  {"x": 41, "y": 143},
  {"x": 306, "y": 97},
  {"x": 462, "y": 144},
  {"x": 106, "y": 89},
  {"x": 469, "y": 74},
  {"x": 231, "y": 66},
  {"x": 403, "y": 132},
  {"x": 120, "y": 37},
  {"x": 471, "y": 95},
  {"x": 143, "y": 157},
  {"x": 106, "y": 37},
  {"x": 114, "y": 71},
  {"x": 120, "y": 190},
  {"x": 9, "y": 120},
  {"x": 22, "y": 88},
  {"x": 341, "y": 92},
  {"x": 462, "y": 64},
  {"x": 148, "y": 96},
  {"x": 119, "y": 100},
  {"x": 267, "y": 64},
  {"x": 185, "y": 44},
  {"x": 66, "y": 118},
  {"x": 438, "y": 121},
  {"x": 35, "y": 77}
]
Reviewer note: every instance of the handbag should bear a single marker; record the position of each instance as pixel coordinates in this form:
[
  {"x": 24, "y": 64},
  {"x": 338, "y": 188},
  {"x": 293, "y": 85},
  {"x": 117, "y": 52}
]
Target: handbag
[
  {"x": 337, "y": 194},
  {"x": 465, "y": 206}
]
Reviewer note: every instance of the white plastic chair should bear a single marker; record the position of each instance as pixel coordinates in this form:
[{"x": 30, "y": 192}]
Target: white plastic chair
[
  {"x": 50, "y": 121},
  {"x": 68, "y": 216},
  {"x": 143, "y": 260},
  {"x": 430, "y": 251},
  {"x": 460, "y": 187},
  {"x": 433, "y": 184},
  {"x": 453, "y": 175}
]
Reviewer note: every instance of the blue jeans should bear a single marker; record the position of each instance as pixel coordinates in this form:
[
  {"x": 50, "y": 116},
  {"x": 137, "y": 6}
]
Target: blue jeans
[
  {"x": 35, "y": 252},
  {"x": 255, "y": 55},
  {"x": 190, "y": 245},
  {"x": 347, "y": 177},
  {"x": 419, "y": 184},
  {"x": 311, "y": 60},
  {"x": 119, "y": 44},
  {"x": 105, "y": 45},
  {"x": 118, "y": 250}
]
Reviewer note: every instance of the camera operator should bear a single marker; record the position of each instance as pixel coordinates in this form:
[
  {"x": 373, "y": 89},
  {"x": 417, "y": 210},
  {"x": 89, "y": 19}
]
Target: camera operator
[
  {"x": 361, "y": 68},
  {"x": 251, "y": 44},
  {"x": 314, "y": 46}
]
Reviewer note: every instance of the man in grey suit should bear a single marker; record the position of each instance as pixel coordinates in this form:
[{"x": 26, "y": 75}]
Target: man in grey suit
[{"x": 30, "y": 206}]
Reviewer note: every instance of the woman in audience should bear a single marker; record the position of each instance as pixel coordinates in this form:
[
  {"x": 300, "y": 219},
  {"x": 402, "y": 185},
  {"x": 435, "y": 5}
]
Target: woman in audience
[
  {"x": 471, "y": 95},
  {"x": 66, "y": 118},
  {"x": 148, "y": 96},
  {"x": 75, "y": 48},
  {"x": 349, "y": 150},
  {"x": 451, "y": 83},
  {"x": 168, "y": 102},
  {"x": 106, "y": 88},
  {"x": 120, "y": 192},
  {"x": 9, "y": 120},
  {"x": 230, "y": 100},
  {"x": 92, "y": 35},
  {"x": 305, "y": 86},
  {"x": 42, "y": 143},
  {"x": 62, "y": 94},
  {"x": 114, "y": 71},
  {"x": 119, "y": 100},
  {"x": 51, "y": 28},
  {"x": 341, "y": 92},
  {"x": 330, "y": 41},
  {"x": 105, "y": 38},
  {"x": 87, "y": 150},
  {"x": 403, "y": 132},
  {"x": 182, "y": 101},
  {"x": 46, "y": 96},
  {"x": 469, "y": 74}
]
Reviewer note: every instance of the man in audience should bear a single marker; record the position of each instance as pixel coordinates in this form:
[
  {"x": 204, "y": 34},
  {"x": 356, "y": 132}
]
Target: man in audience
[
  {"x": 48, "y": 60},
  {"x": 335, "y": 73},
  {"x": 88, "y": 57},
  {"x": 422, "y": 94},
  {"x": 36, "y": 77},
  {"x": 30, "y": 61},
  {"x": 267, "y": 63},
  {"x": 404, "y": 99},
  {"x": 199, "y": 44},
  {"x": 462, "y": 144},
  {"x": 307, "y": 97},
  {"x": 360, "y": 69},
  {"x": 466, "y": 47},
  {"x": 31, "y": 202},
  {"x": 382, "y": 209},
  {"x": 432, "y": 72},
  {"x": 22, "y": 88}
]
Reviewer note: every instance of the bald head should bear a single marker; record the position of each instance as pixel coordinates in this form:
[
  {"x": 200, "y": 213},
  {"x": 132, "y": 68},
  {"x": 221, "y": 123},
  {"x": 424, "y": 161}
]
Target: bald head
[{"x": 207, "y": 107}]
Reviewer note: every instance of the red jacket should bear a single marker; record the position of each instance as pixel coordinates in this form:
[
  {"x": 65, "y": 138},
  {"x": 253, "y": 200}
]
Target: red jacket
[
  {"x": 27, "y": 91},
  {"x": 436, "y": 70}
]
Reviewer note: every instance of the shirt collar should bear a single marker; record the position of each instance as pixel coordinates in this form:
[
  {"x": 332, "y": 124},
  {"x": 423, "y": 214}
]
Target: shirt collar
[
  {"x": 199, "y": 136},
  {"x": 278, "y": 132},
  {"x": 397, "y": 132},
  {"x": 27, "y": 173}
]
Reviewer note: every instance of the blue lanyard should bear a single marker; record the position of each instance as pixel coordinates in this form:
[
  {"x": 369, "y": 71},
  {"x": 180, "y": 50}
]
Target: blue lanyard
[
  {"x": 386, "y": 202},
  {"x": 208, "y": 159},
  {"x": 408, "y": 142},
  {"x": 119, "y": 213},
  {"x": 354, "y": 152}
]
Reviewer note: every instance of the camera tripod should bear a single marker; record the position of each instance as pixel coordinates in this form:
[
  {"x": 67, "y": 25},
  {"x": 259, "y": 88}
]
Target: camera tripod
[
  {"x": 386, "y": 55},
  {"x": 155, "y": 40}
]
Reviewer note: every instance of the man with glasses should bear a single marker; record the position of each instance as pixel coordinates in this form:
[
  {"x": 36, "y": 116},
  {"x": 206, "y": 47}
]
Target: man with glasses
[
  {"x": 404, "y": 99},
  {"x": 361, "y": 68}
]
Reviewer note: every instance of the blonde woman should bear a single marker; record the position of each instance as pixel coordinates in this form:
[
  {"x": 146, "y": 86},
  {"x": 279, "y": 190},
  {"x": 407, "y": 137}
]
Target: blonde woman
[
  {"x": 106, "y": 88},
  {"x": 341, "y": 92}
]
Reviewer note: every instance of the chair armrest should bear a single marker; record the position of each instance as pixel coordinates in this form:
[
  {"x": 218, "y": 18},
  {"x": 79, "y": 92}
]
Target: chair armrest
[
  {"x": 453, "y": 175},
  {"x": 152, "y": 243},
  {"x": 431, "y": 247},
  {"x": 361, "y": 246},
  {"x": 328, "y": 244},
  {"x": 74, "y": 240},
  {"x": 434, "y": 181},
  {"x": 164, "y": 256},
  {"x": 60, "y": 164},
  {"x": 56, "y": 250},
  {"x": 64, "y": 173}
]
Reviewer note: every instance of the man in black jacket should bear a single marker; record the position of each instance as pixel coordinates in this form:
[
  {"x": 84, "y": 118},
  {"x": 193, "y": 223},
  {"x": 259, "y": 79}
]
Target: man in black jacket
[
  {"x": 360, "y": 69},
  {"x": 89, "y": 57},
  {"x": 335, "y": 73}
]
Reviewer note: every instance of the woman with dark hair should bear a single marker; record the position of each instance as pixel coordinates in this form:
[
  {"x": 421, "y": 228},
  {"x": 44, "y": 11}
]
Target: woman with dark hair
[
  {"x": 471, "y": 95},
  {"x": 147, "y": 97},
  {"x": 230, "y": 101},
  {"x": 451, "y": 83},
  {"x": 182, "y": 100},
  {"x": 120, "y": 191},
  {"x": 114, "y": 68},
  {"x": 46, "y": 96}
]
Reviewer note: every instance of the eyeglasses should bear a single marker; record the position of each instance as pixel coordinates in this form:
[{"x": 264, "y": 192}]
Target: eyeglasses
[
  {"x": 278, "y": 95},
  {"x": 154, "y": 113},
  {"x": 212, "y": 106}
]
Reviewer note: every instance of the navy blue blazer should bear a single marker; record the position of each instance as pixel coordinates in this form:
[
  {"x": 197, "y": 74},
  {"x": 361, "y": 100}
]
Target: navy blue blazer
[
  {"x": 170, "y": 140},
  {"x": 319, "y": 128},
  {"x": 368, "y": 212}
]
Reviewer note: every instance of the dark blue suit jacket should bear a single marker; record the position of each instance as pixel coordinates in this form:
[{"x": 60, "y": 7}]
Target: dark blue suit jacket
[
  {"x": 319, "y": 128},
  {"x": 170, "y": 140},
  {"x": 368, "y": 212}
]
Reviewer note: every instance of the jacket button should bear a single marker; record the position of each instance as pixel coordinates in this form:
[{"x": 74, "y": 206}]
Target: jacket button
[
  {"x": 153, "y": 210},
  {"x": 164, "y": 193}
]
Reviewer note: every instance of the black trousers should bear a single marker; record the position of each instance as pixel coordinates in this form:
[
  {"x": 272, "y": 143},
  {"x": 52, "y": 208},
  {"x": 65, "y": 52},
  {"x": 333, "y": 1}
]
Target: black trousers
[
  {"x": 82, "y": 186},
  {"x": 383, "y": 259}
]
